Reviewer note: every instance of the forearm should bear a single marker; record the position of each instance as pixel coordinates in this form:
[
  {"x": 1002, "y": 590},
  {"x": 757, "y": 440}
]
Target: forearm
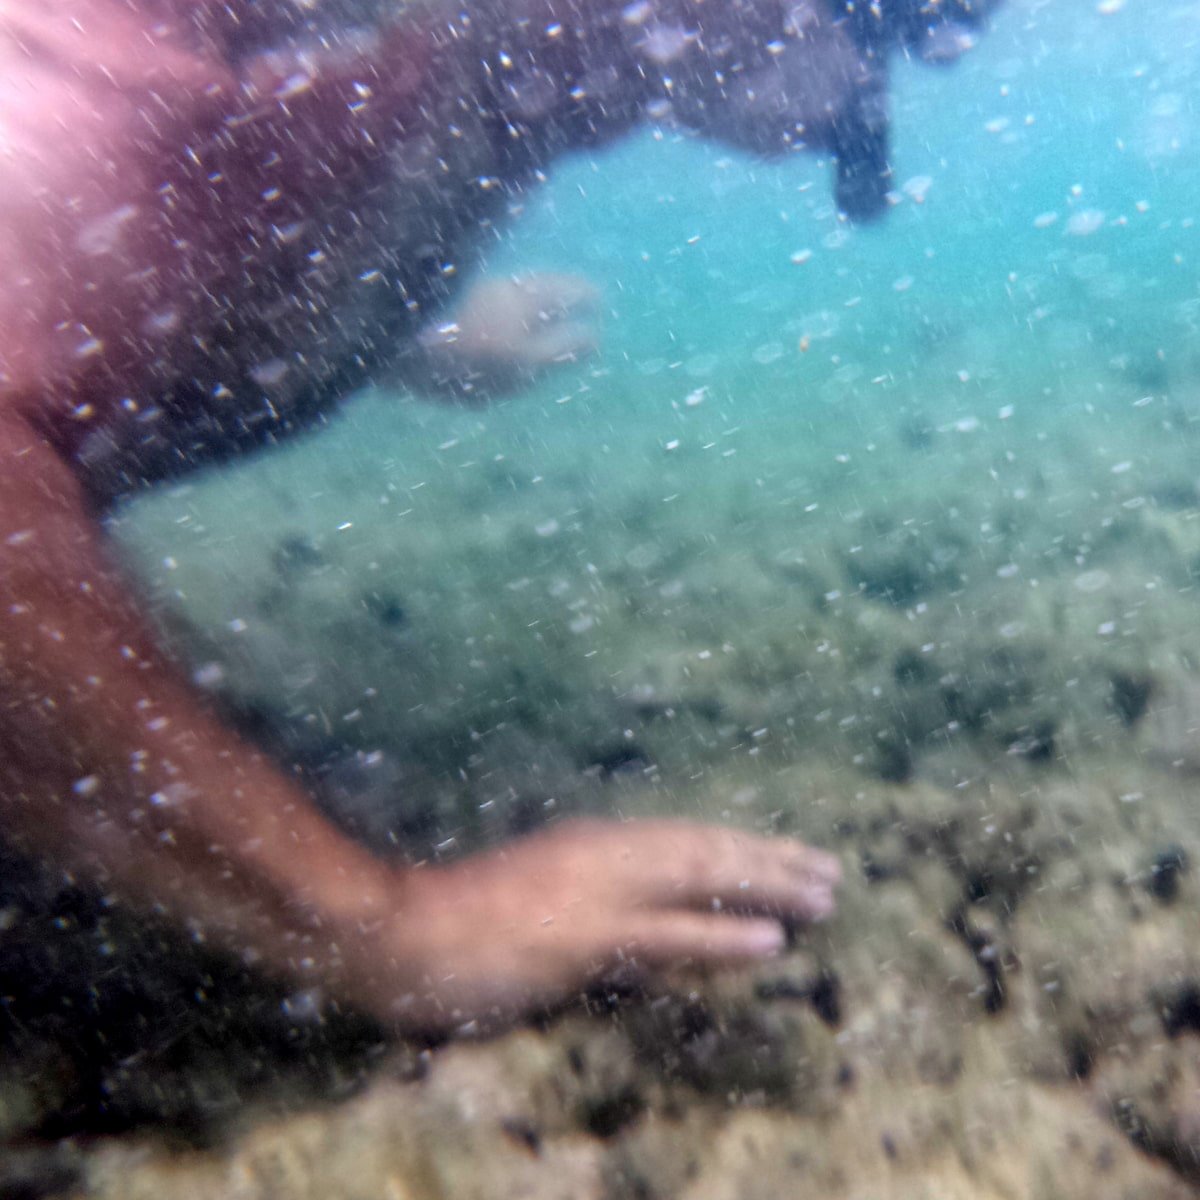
[{"x": 112, "y": 766}]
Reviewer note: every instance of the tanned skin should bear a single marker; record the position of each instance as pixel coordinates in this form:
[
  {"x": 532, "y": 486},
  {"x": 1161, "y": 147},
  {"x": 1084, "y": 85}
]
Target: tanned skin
[{"x": 138, "y": 227}]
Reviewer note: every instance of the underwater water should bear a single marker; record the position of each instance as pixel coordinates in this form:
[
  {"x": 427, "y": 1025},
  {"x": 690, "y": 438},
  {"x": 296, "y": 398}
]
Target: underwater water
[{"x": 886, "y": 536}]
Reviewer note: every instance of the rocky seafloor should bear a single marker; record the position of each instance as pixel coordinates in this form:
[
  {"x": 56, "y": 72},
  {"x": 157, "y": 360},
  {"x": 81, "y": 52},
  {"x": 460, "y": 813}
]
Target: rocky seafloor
[{"x": 952, "y": 641}]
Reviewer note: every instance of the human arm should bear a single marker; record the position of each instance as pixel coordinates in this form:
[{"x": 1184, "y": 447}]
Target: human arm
[
  {"x": 112, "y": 768},
  {"x": 504, "y": 333}
]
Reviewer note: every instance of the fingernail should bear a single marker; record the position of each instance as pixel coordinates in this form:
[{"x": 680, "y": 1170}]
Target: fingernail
[
  {"x": 825, "y": 866},
  {"x": 818, "y": 903},
  {"x": 765, "y": 939}
]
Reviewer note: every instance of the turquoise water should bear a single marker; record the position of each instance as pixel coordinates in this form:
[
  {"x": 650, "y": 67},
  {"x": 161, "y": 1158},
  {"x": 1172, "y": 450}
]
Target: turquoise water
[
  {"x": 1058, "y": 178},
  {"x": 1056, "y": 168}
]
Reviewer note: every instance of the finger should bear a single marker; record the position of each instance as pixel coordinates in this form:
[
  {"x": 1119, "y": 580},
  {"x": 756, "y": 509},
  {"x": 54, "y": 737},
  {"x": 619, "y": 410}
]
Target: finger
[
  {"x": 568, "y": 295},
  {"x": 666, "y": 938},
  {"x": 565, "y": 342},
  {"x": 698, "y": 866}
]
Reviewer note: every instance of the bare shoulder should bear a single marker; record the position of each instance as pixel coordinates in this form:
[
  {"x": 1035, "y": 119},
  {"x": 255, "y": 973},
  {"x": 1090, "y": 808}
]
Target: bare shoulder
[
  {"x": 67, "y": 103},
  {"x": 80, "y": 86}
]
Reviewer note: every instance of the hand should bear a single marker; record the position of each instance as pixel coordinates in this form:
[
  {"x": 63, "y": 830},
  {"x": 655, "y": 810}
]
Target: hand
[
  {"x": 526, "y": 925},
  {"x": 506, "y": 331}
]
